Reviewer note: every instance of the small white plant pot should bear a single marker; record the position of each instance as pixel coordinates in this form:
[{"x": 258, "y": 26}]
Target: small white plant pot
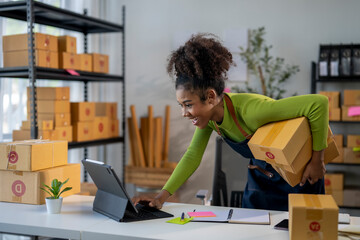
[{"x": 53, "y": 206}]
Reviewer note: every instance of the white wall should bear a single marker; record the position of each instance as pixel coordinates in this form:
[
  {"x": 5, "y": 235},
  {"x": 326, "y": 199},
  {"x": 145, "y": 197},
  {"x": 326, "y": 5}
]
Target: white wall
[{"x": 294, "y": 28}]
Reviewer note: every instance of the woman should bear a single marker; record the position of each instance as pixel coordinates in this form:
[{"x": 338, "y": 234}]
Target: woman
[{"x": 200, "y": 68}]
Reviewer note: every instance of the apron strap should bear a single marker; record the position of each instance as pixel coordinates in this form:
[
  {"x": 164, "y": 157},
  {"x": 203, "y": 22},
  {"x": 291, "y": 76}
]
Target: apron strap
[{"x": 230, "y": 106}]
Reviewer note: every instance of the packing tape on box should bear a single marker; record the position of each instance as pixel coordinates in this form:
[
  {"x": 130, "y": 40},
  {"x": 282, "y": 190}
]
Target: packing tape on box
[
  {"x": 273, "y": 133},
  {"x": 314, "y": 209}
]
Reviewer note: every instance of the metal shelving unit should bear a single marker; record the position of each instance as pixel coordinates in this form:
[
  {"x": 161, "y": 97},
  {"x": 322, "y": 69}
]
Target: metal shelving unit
[
  {"x": 35, "y": 12},
  {"x": 315, "y": 79}
]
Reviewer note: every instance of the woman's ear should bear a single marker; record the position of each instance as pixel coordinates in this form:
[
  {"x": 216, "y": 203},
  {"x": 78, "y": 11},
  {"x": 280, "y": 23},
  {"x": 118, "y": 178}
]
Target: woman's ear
[{"x": 211, "y": 96}]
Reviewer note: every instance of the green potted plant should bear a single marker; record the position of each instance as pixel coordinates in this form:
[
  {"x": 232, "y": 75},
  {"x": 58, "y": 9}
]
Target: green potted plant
[
  {"x": 271, "y": 72},
  {"x": 54, "y": 202}
]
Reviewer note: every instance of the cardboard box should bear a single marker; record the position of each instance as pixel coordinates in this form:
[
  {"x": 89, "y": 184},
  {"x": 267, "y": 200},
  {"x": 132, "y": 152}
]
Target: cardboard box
[
  {"x": 49, "y": 134},
  {"x": 82, "y": 111},
  {"x": 351, "y": 156},
  {"x": 67, "y": 44},
  {"x": 352, "y": 197},
  {"x": 100, "y": 63},
  {"x": 108, "y": 109},
  {"x": 353, "y": 141},
  {"x": 351, "y": 97},
  {"x": 44, "y": 125},
  {"x": 339, "y": 140},
  {"x": 334, "y": 181},
  {"x": 69, "y": 61},
  {"x": 86, "y": 62},
  {"x": 280, "y": 142},
  {"x": 340, "y": 158},
  {"x": 313, "y": 217},
  {"x": 32, "y": 155},
  {"x": 338, "y": 196},
  {"x": 293, "y": 179},
  {"x": 51, "y": 93},
  {"x": 20, "y": 42},
  {"x": 83, "y": 131},
  {"x": 43, "y": 58},
  {"x": 335, "y": 114},
  {"x": 51, "y": 106},
  {"x": 346, "y": 117},
  {"x": 65, "y": 133},
  {"x": 114, "y": 128},
  {"x": 19, "y": 135},
  {"x": 101, "y": 128},
  {"x": 60, "y": 119},
  {"x": 24, "y": 187},
  {"x": 334, "y": 98}
]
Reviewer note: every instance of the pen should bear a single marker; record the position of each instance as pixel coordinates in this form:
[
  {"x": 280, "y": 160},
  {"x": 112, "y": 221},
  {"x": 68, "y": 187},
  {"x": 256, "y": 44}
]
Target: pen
[
  {"x": 182, "y": 217},
  {"x": 230, "y": 214}
]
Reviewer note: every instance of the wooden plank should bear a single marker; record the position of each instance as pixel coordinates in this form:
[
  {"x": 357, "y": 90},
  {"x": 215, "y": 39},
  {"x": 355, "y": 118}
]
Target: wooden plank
[
  {"x": 158, "y": 141},
  {"x": 137, "y": 137},
  {"x": 166, "y": 135},
  {"x": 151, "y": 136},
  {"x": 144, "y": 133},
  {"x": 133, "y": 158}
]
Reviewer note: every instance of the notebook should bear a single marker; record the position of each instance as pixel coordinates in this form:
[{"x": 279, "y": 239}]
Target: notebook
[
  {"x": 112, "y": 200},
  {"x": 237, "y": 215}
]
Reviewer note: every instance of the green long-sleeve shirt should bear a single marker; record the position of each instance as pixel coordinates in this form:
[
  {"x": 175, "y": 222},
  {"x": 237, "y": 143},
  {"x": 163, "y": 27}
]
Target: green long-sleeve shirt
[{"x": 253, "y": 111}]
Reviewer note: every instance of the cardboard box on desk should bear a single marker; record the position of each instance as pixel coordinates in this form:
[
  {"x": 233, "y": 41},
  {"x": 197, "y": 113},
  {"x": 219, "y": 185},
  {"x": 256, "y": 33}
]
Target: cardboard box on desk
[
  {"x": 82, "y": 111},
  {"x": 51, "y": 93},
  {"x": 313, "y": 217},
  {"x": 24, "y": 187},
  {"x": 293, "y": 179},
  {"x": 83, "y": 131},
  {"x": 33, "y": 155},
  {"x": 51, "y": 106},
  {"x": 101, "y": 128},
  {"x": 18, "y": 42},
  {"x": 280, "y": 142},
  {"x": 43, "y": 58}
]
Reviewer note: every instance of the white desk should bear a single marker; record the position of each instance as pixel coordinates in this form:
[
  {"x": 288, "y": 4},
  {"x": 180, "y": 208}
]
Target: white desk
[{"x": 78, "y": 221}]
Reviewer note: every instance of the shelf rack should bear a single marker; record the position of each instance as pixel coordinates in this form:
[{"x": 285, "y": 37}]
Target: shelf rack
[{"x": 36, "y": 12}]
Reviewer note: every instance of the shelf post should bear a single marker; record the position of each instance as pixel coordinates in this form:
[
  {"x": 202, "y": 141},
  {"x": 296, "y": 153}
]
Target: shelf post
[
  {"x": 313, "y": 77},
  {"x": 31, "y": 66},
  {"x": 123, "y": 97}
]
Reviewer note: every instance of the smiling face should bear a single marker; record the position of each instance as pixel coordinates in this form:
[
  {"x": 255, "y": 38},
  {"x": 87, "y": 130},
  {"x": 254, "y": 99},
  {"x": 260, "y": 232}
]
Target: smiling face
[{"x": 199, "y": 112}]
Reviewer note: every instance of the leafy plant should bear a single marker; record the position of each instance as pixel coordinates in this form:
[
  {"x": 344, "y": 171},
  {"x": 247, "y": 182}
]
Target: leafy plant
[
  {"x": 271, "y": 71},
  {"x": 54, "y": 190}
]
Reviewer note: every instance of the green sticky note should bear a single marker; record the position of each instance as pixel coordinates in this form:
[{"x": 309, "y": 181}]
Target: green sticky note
[
  {"x": 356, "y": 149},
  {"x": 178, "y": 220}
]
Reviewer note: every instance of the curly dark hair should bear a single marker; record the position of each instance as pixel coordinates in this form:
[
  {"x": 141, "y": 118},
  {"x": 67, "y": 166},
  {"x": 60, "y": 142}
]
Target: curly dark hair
[{"x": 201, "y": 63}]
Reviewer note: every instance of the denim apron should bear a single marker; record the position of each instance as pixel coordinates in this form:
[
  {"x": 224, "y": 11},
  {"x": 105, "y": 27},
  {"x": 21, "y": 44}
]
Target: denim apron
[{"x": 265, "y": 188}]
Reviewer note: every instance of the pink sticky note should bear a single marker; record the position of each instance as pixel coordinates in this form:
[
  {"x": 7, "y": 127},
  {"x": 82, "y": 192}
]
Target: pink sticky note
[
  {"x": 354, "y": 111},
  {"x": 73, "y": 72},
  {"x": 201, "y": 214}
]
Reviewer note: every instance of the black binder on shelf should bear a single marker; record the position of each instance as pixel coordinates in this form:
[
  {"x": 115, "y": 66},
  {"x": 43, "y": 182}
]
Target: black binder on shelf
[{"x": 112, "y": 199}]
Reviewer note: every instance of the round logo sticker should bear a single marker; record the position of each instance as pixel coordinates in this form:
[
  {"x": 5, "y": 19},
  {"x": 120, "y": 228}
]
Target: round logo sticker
[
  {"x": 87, "y": 111},
  {"x": 101, "y": 127},
  {"x": 18, "y": 188},
  {"x": 64, "y": 133},
  {"x": 13, "y": 157},
  {"x": 314, "y": 226},
  {"x": 113, "y": 128},
  {"x": 86, "y": 131},
  {"x": 327, "y": 182},
  {"x": 270, "y": 155}
]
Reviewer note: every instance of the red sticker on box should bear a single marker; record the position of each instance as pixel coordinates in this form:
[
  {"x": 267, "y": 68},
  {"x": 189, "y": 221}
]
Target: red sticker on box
[
  {"x": 13, "y": 157},
  {"x": 101, "y": 127},
  {"x": 18, "y": 188},
  {"x": 270, "y": 155},
  {"x": 314, "y": 226}
]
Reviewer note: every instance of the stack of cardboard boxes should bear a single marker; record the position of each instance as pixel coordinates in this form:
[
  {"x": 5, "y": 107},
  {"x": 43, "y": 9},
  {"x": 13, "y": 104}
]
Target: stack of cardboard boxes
[
  {"x": 106, "y": 124},
  {"x": 15, "y": 48},
  {"x": 26, "y": 165},
  {"x": 82, "y": 118},
  {"x": 53, "y": 108},
  {"x": 52, "y": 52},
  {"x": 287, "y": 146}
]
